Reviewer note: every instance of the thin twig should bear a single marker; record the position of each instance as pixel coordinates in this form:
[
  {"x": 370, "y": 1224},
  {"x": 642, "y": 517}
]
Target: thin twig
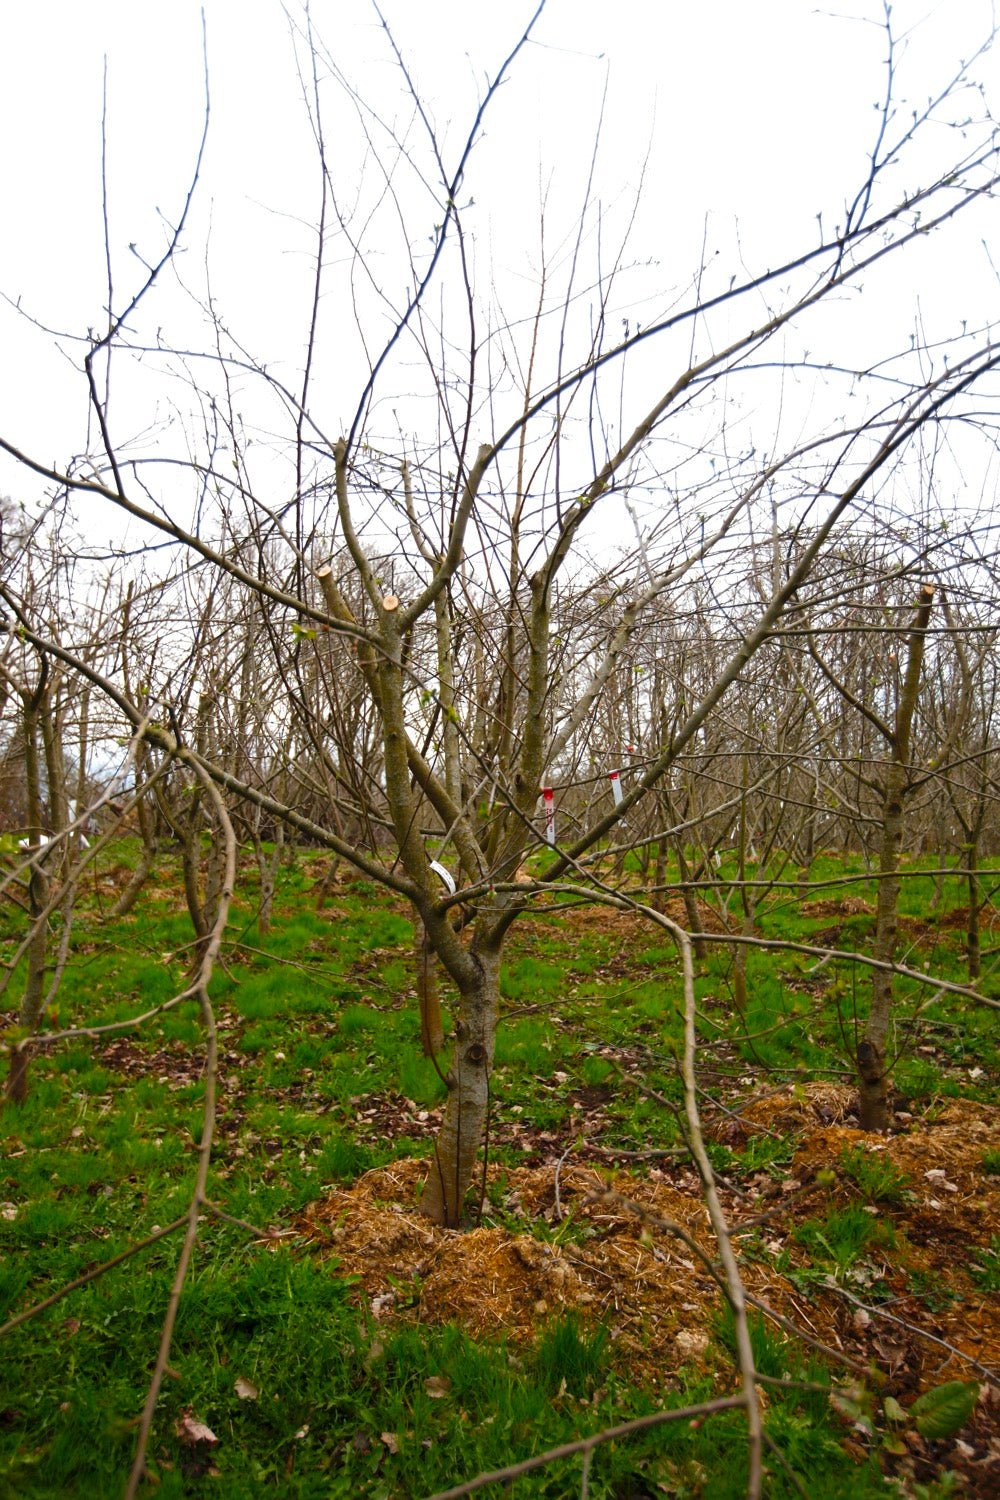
[
  {"x": 737, "y": 1114},
  {"x": 785, "y": 1202},
  {"x": 586, "y": 1445},
  {"x": 559, "y": 1212},
  {"x": 658, "y": 1155},
  {"x": 220, "y": 1213},
  {"x": 914, "y": 1328},
  {"x": 88, "y": 1276},
  {"x": 735, "y": 1292},
  {"x": 198, "y": 1195},
  {"x": 793, "y": 1328},
  {"x": 794, "y": 1479},
  {"x": 657, "y": 1221}
]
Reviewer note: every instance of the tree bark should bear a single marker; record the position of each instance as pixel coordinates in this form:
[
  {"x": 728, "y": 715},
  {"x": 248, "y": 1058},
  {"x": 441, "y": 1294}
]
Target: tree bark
[
  {"x": 973, "y": 955},
  {"x": 428, "y": 995},
  {"x": 33, "y": 995},
  {"x": 467, "y": 1109}
]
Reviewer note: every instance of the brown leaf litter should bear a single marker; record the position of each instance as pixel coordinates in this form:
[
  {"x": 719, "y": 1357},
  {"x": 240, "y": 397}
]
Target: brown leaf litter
[{"x": 849, "y": 906}]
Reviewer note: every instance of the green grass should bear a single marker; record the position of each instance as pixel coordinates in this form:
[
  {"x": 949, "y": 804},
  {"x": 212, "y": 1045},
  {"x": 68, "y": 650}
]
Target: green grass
[
  {"x": 985, "y": 1267},
  {"x": 874, "y": 1174},
  {"x": 328, "y": 1389},
  {"x": 842, "y": 1236}
]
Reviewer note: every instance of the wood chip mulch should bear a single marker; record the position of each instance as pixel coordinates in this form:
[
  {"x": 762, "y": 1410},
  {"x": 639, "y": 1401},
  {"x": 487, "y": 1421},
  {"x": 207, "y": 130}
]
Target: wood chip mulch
[{"x": 558, "y": 1238}]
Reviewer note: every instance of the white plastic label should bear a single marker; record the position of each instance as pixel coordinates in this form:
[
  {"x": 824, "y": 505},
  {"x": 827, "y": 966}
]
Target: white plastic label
[
  {"x": 550, "y": 815},
  {"x": 445, "y": 876}
]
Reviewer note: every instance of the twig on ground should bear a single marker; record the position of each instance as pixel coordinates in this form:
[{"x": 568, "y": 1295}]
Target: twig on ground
[
  {"x": 657, "y": 1221},
  {"x": 667, "y": 1151},
  {"x": 737, "y": 1114},
  {"x": 199, "y": 1196},
  {"x": 793, "y": 1328},
  {"x": 587, "y": 1445},
  {"x": 559, "y": 1212},
  {"x": 258, "y": 1234},
  {"x": 93, "y": 1275},
  {"x": 790, "y": 1473},
  {"x": 745, "y": 1225}
]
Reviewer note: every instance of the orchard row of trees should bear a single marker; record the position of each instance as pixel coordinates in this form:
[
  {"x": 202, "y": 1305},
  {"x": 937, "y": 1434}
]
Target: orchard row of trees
[
  {"x": 804, "y": 756},
  {"x": 742, "y": 553},
  {"x": 388, "y": 643},
  {"x": 281, "y": 706}
]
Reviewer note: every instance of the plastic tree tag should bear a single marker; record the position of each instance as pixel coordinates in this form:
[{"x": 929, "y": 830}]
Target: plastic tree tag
[
  {"x": 550, "y": 815},
  {"x": 445, "y": 876}
]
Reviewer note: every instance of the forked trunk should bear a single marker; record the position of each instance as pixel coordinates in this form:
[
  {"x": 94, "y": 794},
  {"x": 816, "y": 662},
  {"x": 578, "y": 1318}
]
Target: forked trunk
[{"x": 467, "y": 1109}]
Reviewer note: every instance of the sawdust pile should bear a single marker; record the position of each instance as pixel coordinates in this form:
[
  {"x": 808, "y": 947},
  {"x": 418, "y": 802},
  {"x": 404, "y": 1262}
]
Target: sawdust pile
[
  {"x": 589, "y": 1256},
  {"x": 554, "y": 1239}
]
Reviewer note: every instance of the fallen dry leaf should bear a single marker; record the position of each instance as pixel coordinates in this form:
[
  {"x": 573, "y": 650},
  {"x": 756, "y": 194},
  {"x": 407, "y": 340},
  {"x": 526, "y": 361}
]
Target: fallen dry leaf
[
  {"x": 691, "y": 1343},
  {"x": 190, "y": 1430},
  {"x": 437, "y": 1386},
  {"x": 245, "y": 1389}
]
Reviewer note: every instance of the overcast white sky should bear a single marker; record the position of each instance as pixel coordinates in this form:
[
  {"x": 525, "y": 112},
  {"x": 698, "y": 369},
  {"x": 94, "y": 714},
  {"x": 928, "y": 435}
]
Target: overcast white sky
[{"x": 743, "y": 122}]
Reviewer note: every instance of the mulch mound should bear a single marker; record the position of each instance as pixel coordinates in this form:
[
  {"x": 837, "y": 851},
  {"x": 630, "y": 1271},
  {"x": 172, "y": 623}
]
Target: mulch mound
[
  {"x": 496, "y": 1281},
  {"x": 576, "y": 1238}
]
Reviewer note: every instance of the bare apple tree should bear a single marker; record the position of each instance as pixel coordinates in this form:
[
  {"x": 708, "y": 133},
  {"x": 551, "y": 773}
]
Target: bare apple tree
[{"x": 441, "y": 587}]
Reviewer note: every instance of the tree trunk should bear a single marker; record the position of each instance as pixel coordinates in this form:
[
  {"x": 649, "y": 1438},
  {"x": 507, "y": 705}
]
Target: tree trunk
[
  {"x": 138, "y": 878},
  {"x": 467, "y": 1109},
  {"x": 660, "y": 876},
  {"x": 748, "y": 901},
  {"x": 428, "y": 995},
  {"x": 33, "y": 995},
  {"x": 149, "y": 825},
  {"x": 873, "y": 1077},
  {"x": 267, "y": 867},
  {"x": 690, "y": 899},
  {"x": 872, "y": 1074},
  {"x": 191, "y": 868},
  {"x": 972, "y": 929}
]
